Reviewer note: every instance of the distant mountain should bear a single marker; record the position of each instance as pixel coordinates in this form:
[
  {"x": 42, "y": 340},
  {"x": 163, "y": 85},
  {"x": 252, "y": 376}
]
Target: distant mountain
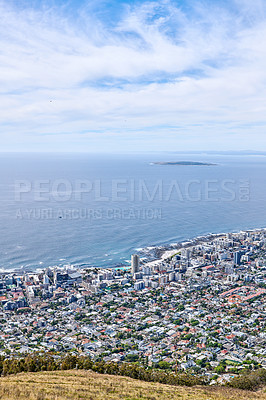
[
  {"x": 181, "y": 163},
  {"x": 220, "y": 152}
]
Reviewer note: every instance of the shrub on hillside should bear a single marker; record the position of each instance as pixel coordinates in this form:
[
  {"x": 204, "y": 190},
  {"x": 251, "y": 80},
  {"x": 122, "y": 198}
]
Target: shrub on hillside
[
  {"x": 44, "y": 362},
  {"x": 251, "y": 381}
]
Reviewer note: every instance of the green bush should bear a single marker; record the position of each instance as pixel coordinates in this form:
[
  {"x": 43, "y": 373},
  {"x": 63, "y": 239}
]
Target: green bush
[
  {"x": 251, "y": 381},
  {"x": 43, "y": 362}
]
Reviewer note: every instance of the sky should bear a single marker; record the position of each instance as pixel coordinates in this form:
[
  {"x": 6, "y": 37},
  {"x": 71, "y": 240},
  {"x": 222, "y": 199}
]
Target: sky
[{"x": 122, "y": 76}]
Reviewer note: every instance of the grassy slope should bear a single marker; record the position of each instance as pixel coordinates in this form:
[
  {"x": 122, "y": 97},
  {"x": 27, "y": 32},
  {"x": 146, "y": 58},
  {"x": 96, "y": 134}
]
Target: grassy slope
[{"x": 77, "y": 384}]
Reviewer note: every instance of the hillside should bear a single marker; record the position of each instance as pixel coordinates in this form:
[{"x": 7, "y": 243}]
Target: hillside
[{"x": 80, "y": 384}]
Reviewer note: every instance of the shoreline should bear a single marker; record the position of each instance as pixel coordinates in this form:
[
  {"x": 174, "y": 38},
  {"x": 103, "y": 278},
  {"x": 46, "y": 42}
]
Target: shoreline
[
  {"x": 149, "y": 255},
  {"x": 166, "y": 251}
]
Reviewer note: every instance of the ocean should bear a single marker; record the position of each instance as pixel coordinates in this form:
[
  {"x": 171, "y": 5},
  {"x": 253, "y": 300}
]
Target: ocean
[{"x": 97, "y": 210}]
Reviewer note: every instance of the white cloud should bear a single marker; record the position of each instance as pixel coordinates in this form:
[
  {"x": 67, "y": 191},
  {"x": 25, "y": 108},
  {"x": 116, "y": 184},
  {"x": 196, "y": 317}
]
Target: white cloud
[{"x": 158, "y": 69}]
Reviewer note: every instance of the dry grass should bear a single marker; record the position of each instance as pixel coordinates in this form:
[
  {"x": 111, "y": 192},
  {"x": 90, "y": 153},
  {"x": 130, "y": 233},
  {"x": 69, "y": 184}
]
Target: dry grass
[{"x": 78, "y": 385}]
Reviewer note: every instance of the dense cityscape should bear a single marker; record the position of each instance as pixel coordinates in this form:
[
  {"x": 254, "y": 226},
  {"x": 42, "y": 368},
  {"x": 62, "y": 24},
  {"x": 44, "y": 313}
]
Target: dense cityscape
[{"x": 198, "y": 308}]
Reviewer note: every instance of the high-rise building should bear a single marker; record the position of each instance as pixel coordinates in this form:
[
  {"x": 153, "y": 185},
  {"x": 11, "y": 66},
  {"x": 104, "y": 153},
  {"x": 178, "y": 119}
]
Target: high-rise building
[
  {"x": 139, "y": 285},
  {"x": 138, "y": 275},
  {"x": 171, "y": 277},
  {"x": 146, "y": 270},
  {"x": 45, "y": 279},
  {"x": 237, "y": 257},
  {"x": 134, "y": 263}
]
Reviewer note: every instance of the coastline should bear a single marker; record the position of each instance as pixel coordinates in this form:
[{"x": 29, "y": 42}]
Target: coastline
[
  {"x": 158, "y": 254},
  {"x": 162, "y": 253},
  {"x": 149, "y": 256}
]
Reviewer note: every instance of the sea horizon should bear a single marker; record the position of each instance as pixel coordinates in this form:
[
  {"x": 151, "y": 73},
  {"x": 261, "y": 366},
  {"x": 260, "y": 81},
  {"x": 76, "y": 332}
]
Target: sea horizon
[{"x": 130, "y": 204}]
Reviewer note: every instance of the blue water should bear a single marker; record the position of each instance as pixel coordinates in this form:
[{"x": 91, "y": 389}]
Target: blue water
[{"x": 62, "y": 225}]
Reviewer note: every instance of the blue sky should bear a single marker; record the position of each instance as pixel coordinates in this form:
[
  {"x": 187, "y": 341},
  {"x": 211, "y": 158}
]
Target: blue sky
[{"x": 102, "y": 76}]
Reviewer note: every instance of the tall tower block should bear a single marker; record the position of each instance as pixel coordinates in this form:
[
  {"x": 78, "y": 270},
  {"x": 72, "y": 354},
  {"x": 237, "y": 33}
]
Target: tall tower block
[{"x": 134, "y": 263}]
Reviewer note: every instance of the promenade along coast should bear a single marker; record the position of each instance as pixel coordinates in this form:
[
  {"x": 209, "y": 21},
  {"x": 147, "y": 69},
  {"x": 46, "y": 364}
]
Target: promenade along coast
[{"x": 195, "y": 306}]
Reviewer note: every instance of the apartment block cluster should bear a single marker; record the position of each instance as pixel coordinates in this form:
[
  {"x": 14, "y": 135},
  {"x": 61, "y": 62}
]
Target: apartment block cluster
[
  {"x": 230, "y": 255},
  {"x": 199, "y": 307}
]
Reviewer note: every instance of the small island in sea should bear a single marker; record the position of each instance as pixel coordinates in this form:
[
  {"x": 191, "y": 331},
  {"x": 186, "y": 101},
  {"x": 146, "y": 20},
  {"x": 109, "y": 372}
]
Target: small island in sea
[{"x": 181, "y": 163}]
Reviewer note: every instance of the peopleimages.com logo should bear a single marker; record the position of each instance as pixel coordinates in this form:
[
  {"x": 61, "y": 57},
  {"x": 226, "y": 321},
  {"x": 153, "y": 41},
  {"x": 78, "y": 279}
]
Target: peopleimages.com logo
[{"x": 130, "y": 190}]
